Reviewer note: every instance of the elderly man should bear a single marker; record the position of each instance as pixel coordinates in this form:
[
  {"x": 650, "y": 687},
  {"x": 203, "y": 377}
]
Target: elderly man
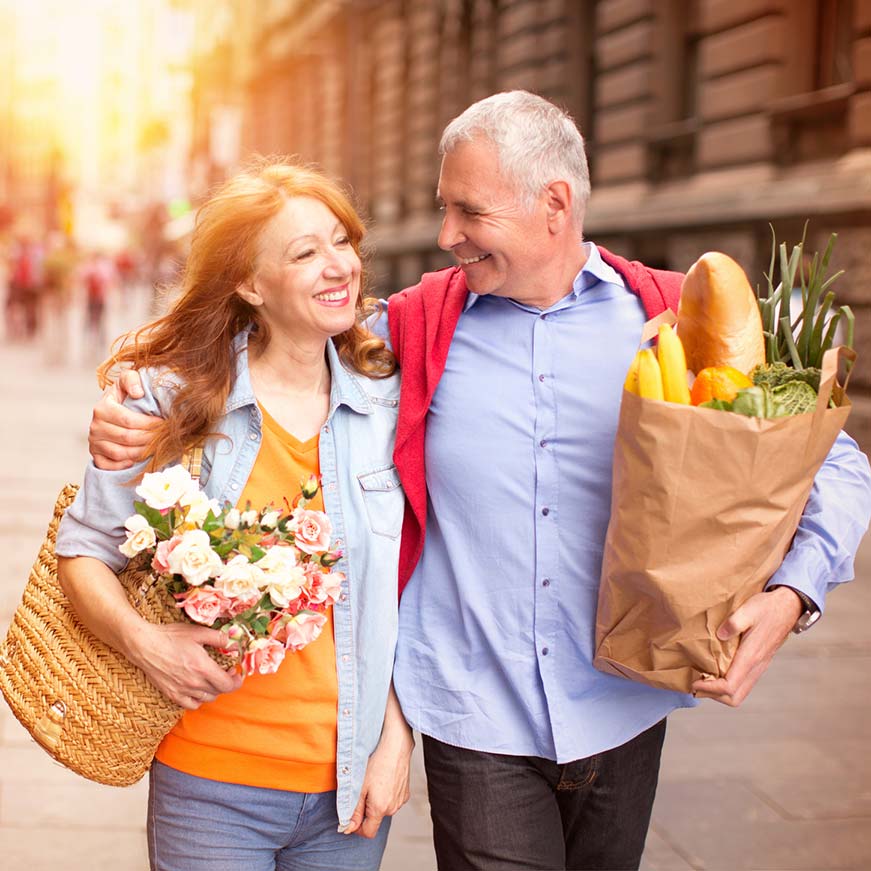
[{"x": 512, "y": 365}]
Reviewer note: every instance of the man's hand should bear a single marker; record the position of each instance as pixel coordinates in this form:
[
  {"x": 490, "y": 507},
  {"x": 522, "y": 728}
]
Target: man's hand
[
  {"x": 763, "y": 621},
  {"x": 118, "y": 436}
]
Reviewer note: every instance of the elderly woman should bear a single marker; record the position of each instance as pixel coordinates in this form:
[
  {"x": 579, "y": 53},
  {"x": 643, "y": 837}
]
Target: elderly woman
[{"x": 264, "y": 360}]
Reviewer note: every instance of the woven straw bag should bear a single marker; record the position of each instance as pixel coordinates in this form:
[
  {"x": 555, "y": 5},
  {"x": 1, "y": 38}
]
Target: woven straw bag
[{"x": 83, "y": 702}]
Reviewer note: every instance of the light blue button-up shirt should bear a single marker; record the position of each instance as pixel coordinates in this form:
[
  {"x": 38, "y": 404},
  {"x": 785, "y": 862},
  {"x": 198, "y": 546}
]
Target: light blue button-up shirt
[
  {"x": 362, "y": 498},
  {"x": 496, "y": 628}
]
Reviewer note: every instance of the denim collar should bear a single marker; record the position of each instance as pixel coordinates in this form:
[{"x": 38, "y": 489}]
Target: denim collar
[{"x": 346, "y": 387}]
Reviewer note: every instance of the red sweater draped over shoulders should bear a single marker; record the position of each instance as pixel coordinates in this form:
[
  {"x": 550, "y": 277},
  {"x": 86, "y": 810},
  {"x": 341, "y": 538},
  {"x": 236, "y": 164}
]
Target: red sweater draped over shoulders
[{"x": 422, "y": 320}]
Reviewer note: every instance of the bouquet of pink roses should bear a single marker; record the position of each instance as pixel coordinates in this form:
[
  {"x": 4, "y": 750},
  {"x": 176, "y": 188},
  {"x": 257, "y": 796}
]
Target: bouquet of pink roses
[{"x": 264, "y": 577}]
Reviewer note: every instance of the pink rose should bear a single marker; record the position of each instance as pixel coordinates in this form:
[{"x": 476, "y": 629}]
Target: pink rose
[
  {"x": 277, "y": 628},
  {"x": 303, "y": 628},
  {"x": 237, "y": 639},
  {"x": 323, "y": 586},
  {"x": 264, "y": 656},
  {"x": 160, "y": 563},
  {"x": 312, "y": 530},
  {"x": 239, "y": 604},
  {"x": 204, "y": 605}
]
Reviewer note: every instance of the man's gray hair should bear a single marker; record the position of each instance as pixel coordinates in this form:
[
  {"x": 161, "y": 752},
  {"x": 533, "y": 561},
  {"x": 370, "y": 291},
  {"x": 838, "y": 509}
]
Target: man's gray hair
[{"x": 536, "y": 141}]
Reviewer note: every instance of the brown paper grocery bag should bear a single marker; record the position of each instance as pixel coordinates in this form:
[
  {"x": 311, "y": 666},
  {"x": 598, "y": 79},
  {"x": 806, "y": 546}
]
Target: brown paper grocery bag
[{"x": 704, "y": 507}]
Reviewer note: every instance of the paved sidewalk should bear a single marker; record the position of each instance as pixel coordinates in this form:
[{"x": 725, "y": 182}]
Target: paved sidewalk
[{"x": 782, "y": 783}]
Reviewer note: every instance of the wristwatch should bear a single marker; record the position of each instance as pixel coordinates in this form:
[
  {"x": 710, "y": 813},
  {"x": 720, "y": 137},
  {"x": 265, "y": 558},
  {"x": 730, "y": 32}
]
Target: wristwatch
[{"x": 808, "y": 616}]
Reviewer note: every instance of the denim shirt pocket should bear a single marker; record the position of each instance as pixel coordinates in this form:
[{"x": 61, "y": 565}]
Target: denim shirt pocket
[{"x": 384, "y": 502}]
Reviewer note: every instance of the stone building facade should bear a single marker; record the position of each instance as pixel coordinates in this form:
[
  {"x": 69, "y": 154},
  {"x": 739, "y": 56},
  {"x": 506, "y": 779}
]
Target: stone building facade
[{"x": 705, "y": 120}]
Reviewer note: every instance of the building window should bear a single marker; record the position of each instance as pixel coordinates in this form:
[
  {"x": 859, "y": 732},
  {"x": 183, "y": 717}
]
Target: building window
[
  {"x": 834, "y": 43},
  {"x": 811, "y": 122},
  {"x": 671, "y": 142}
]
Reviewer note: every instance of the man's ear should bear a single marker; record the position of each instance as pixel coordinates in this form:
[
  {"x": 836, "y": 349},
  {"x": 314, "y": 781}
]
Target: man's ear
[
  {"x": 558, "y": 202},
  {"x": 248, "y": 291}
]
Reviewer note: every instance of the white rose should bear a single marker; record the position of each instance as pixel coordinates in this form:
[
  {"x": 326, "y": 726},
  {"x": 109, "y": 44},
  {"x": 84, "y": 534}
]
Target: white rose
[
  {"x": 194, "y": 559},
  {"x": 231, "y": 521},
  {"x": 282, "y": 577},
  {"x": 239, "y": 578},
  {"x": 162, "y": 490},
  {"x": 270, "y": 519},
  {"x": 283, "y": 589},
  {"x": 198, "y": 506},
  {"x": 140, "y": 536},
  {"x": 248, "y": 518}
]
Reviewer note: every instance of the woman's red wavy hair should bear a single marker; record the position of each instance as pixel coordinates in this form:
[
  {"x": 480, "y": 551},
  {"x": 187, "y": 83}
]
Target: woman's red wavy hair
[{"x": 194, "y": 339}]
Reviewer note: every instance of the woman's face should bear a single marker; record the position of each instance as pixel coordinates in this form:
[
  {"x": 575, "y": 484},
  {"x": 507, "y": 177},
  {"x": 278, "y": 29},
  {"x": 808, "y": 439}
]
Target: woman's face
[{"x": 307, "y": 278}]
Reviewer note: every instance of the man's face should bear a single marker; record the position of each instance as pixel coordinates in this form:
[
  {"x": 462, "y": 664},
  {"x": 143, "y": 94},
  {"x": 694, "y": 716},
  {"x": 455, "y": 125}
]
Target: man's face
[{"x": 500, "y": 245}]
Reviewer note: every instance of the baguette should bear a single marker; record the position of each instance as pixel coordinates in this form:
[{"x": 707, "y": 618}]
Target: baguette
[{"x": 718, "y": 317}]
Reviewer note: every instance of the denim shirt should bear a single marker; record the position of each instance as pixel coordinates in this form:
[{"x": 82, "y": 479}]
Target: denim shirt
[{"x": 362, "y": 497}]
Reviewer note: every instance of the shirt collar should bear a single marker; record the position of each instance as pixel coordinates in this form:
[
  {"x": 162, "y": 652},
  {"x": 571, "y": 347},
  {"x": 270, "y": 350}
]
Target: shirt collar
[
  {"x": 593, "y": 271},
  {"x": 345, "y": 389}
]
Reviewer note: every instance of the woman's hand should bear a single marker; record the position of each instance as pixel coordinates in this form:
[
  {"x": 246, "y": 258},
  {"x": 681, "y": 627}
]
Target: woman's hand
[
  {"x": 173, "y": 659},
  {"x": 118, "y": 436},
  {"x": 386, "y": 783},
  {"x": 171, "y": 655}
]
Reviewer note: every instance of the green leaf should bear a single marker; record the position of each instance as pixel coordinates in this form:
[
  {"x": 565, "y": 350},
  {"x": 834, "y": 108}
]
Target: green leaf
[
  {"x": 159, "y": 522},
  {"x": 719, "y": 404},
  {"x": 224, "y": 549},
  {"x": 786, "y": 333},
  {"x": 814, "y": 356}
]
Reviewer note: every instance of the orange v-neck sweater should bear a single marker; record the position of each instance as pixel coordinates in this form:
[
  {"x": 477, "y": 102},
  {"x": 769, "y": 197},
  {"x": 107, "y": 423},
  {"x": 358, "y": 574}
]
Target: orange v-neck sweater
[{"x": 278, "y": 730}]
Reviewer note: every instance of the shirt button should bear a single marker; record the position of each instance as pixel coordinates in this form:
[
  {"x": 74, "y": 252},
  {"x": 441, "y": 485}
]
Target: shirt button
[
  {"x": 338, "y": 542},
  {"x": 545, "y": 582},
  {"x": 331, "y": 486},
  {"x": 545, "y": 511},
  {"x": 544, "y": 651},
  {"x": 345, "y": 657},
  {"x": 253, "y": 436},
  {"x": 543, "y": 443},
  {"x": 342, "y": 597},
  {"x": 326, "y": 427},
  {"x": 541, "y": 377},
  {"x": 234, "y": 486},
  {"x": 345, "y": 769},
  {"x": 346, "y": 712}
]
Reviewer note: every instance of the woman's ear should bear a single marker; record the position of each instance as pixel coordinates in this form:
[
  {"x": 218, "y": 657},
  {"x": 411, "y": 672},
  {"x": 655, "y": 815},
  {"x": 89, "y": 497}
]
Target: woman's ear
[{"x": 248, "y": 291}]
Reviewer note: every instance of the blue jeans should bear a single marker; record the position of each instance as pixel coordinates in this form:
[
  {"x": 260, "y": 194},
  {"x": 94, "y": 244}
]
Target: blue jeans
[
  {"x": 196, "y": 824},
  {"x": 493, "y": 812}
]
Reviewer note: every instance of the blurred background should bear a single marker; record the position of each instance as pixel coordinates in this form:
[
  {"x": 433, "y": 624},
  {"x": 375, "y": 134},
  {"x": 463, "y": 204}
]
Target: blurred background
[{"x": 705, "y": 121}]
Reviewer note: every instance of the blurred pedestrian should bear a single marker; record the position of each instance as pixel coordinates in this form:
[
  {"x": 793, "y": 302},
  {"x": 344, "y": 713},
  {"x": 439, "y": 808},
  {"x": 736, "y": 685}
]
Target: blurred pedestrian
[
  {"x": 98, "y": 277},
  {"x": 127, "y": 269},
  {"x": 59, "y": 270},
  {"x": 25, "y": 284}
]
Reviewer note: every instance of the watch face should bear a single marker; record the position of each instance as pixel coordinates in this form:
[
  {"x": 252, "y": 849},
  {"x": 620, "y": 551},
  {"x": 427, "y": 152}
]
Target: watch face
[{"x": 806, "y": 620}]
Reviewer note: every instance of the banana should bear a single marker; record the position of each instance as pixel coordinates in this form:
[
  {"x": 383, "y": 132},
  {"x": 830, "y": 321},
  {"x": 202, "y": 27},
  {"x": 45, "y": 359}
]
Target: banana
[
  {"x": 649, "y": 375},
  {"x": 631, "y": 383},
  {"x": 673, "y": 366}
]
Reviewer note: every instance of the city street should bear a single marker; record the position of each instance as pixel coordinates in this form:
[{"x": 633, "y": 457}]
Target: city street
[{"x": 782, "y": 783}]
